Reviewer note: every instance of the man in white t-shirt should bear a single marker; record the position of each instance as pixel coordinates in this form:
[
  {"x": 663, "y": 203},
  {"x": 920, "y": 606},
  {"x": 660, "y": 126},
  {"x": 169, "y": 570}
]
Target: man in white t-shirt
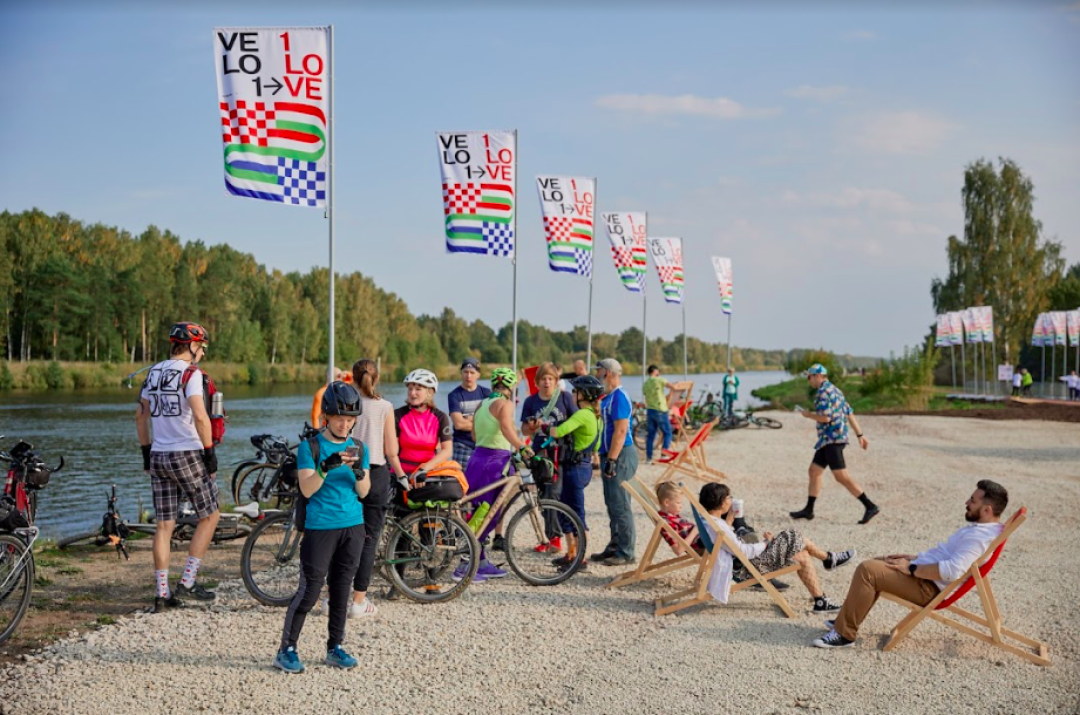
[
  {"x": 180, "y": 458},
  {"x": 920, "y": 577},
  {"x": 1017, "y": 382}
]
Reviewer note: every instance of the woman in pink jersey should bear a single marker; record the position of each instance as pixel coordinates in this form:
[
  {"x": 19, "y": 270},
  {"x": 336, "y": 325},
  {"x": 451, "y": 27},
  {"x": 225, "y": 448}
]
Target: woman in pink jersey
[{"x": 425, "y": 433}]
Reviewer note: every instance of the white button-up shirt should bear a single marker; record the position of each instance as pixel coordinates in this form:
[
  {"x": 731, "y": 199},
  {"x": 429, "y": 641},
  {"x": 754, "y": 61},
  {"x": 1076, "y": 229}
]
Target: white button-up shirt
[{"x": 959, "y": 552}]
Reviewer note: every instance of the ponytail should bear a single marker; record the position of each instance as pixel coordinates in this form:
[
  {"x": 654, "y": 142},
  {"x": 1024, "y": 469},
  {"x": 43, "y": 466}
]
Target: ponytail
[{"x": 366, "y": 377}]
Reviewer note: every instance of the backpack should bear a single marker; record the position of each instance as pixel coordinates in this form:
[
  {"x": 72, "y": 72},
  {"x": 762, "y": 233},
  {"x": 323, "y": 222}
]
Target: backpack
[
  {"x": 445, "y": 482},
  {"x": 217, "y": 422},
  {"x": 300, "y": 514}
]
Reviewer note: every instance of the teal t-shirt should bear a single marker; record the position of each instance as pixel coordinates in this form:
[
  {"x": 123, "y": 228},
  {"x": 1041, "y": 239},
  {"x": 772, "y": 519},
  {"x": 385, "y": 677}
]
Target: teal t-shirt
[{"x": 335, "y": 505}]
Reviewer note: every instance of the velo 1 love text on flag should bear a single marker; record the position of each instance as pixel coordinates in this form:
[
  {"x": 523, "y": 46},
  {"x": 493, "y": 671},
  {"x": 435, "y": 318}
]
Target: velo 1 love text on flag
[
  {"x": 667, "y": 256},
  {"x": 724, "y": 278},
  {"x": 273, "y": 85},
  {"x": 627, "y": 231},
  {"x": 479, "y": 171},
  {"x": 566, "y": 203}
]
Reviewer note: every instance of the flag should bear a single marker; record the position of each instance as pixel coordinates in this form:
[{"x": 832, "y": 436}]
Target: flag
[
  {"x": 956, "y": 328},
  {"x": 941, "y": 338},
  {"x": 627, "y": 232},
  {"x": 667, "y": 256},
  {"x": 724, "y": 277},
  {"x": 1073, "y": 326},
  {"x": 987, "y": 322},
  {"x": 971, "y": 326},
  {"x": 1038, "y": 332},
  {"x": 272, "y": 89},
  {"x": 1058, "y": 321},
  {"x": 478, "y": 173},
  {"x": 566, "y": 205}
]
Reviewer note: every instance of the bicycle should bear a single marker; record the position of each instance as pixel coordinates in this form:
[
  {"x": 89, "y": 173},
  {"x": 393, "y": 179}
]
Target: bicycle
[
  {"x": 113, "y": 530},
  {"x": 27, "y": 474},
  {"x": 418, "y": 553},
  {"x": 273, "y": 479},
  {"x": 533, "y": 566},
  {"x": 767, "y": 422}
]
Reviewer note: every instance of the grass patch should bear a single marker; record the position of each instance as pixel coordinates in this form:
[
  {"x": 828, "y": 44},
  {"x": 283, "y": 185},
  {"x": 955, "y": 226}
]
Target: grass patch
[
  {"x": 85, "y": 597},
  {"x": 69, "y": 570},
  {"x": 47, "y": 562},
  {"x": 105, "y": 620},
  {"x": 42, "y": 582},
  {"x": 209, "y": 584}
]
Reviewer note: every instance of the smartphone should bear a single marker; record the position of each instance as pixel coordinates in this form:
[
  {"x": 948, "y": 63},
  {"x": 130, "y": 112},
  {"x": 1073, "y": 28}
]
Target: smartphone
[{"x": 352, "y": 452}]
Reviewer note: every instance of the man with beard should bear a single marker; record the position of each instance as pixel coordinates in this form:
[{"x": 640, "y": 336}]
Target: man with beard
[{"x": 920, "y": 577}]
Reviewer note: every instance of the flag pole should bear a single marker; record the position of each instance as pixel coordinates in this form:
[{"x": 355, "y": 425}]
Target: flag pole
[
  {"x": 952, "y": 357},
  {"x": 514, "y": 259},
  {"x": 729, "y": 341},
  {"x": 588, "y": 350},
  {"x": 592, "y": 270},
  {"x": 644, "y": 337},
  {"x": 963, "y": 365},
  {"x": 685, "y": 371},
  {"x": 330, "y": 205}
]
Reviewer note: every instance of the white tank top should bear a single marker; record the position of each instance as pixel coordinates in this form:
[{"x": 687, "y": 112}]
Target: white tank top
[{"x": 369, "y": 427}]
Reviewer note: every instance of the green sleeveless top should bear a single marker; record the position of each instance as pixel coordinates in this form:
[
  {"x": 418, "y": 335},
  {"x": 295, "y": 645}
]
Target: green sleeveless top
[{"x": 488, "y": 432}]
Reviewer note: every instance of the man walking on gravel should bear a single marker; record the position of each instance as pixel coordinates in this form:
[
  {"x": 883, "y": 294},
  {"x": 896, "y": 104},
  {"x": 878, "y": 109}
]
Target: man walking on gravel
[
  {"x": 618, "y": 462},
  {"x": 179, "y": 458},
  {"x": 832, "y": 413}
]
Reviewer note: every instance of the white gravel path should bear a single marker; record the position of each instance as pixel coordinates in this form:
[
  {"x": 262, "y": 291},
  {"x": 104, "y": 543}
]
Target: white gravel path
[{"x": 507, "y": 647}]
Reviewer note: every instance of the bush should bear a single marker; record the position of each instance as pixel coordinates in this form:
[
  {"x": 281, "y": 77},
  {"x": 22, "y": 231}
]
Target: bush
[
  {"x": 908, "y": 379},
  {"x": 7, "y": 380},
  {"x": 35, "y": 377},
  {"x": 801, "y": 361},
  {"x": 255, "y": 374}
]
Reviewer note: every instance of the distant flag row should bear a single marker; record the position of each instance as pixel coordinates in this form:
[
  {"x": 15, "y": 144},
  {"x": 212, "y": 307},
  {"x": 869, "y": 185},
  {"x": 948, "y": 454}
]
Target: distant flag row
[
  {"x": 667, "y": 256},
  {"x": 972, "y": 325},
  {"x": 1059, "y": 327}
]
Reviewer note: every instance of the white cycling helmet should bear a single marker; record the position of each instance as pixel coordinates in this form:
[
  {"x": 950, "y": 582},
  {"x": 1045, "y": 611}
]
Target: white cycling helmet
[{"x": 423, "y": 377}]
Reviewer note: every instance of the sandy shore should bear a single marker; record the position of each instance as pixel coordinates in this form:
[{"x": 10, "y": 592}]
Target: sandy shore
[{"x": 506, "y": 647}]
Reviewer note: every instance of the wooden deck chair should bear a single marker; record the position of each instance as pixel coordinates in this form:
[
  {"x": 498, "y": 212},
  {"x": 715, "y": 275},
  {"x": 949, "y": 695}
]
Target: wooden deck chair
[
  {"x": 699, "y": 592},
  {"x": 647, "y": 568},
  {"x": 679, "y": 402},
  {"x": 691, "y": 460},
  {"x": 976, "y": 577}
]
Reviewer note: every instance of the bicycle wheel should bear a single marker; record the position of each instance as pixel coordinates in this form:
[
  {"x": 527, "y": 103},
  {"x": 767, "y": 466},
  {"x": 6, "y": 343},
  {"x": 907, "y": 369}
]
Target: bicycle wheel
[
  {"x": 242, "y": 467},
  {"x": 526, "y": 531},
  {"x": 431, "y": 556},
  {"x": 16, "y": 583},
  {"x": 768, "y": 422},
  {"x": 256, "y": 483},
  {"x": 641, "y": 434},
  {"x": 270, "y": 560},
  {"x": 90, "y": 538}
]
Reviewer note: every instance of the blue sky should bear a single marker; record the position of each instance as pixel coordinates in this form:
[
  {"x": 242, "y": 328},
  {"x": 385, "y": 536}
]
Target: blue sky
[{"x": 822, "y": 148}]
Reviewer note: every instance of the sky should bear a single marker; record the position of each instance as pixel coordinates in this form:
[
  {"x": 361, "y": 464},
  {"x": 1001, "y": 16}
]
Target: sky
[{"x": 820, "y": 146}]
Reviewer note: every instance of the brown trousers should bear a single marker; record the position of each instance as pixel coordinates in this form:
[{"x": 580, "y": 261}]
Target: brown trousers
[{"x": 870, "y": 580}]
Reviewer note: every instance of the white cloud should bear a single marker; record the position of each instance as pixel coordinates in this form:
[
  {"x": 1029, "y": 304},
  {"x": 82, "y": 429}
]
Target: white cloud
[
  {"x": 689, "y": 104},
  {"x": 907, "y": 132},
  {"x": 850, "y": 197},
  {"x": 865, "y": 35},
  {"x": 818, "y": 94}
]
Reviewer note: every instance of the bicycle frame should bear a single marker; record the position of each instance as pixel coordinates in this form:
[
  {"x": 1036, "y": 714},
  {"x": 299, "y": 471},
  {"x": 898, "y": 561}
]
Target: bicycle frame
[
  {"x": 28, "y": 535},
  {"x": 509, "y": 485}
]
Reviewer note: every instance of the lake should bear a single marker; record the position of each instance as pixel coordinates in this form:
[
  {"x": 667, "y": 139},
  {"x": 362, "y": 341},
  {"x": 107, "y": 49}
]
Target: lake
[{"x": 95, "y": 431}]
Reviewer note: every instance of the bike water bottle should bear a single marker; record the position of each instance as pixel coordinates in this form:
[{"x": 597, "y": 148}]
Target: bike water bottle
[{"x": 478, "y": 517}]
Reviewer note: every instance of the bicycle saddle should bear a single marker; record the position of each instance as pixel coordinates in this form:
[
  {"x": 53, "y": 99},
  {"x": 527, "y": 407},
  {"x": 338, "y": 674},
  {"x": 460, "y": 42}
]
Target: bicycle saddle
[{"x": 251, "y": 510}]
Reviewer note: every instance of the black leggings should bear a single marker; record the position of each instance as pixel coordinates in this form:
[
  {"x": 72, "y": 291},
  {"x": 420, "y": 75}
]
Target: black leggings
[
  {"x": 324, "y": 552},
  {"x": 376, "y": 504}
]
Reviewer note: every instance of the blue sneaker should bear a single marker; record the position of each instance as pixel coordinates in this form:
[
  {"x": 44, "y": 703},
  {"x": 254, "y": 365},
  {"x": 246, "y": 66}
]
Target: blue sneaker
[
  {"x": 340, "y": 659},
  {"x": 462, "y": 569},
  {"x": 489, "y": 570},
  {"x": 288, "y": 661}
]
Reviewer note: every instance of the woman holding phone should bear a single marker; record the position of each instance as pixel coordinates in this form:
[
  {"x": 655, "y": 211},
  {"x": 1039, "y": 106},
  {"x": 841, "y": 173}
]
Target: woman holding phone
[{"x": 332, "y": 482}]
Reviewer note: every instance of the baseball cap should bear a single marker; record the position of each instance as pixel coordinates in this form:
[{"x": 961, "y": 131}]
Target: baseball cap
[
  {"x": 611, "y": 365},
  {"x": 815, "y": 369},
  {"x": 470, "y": 362}
]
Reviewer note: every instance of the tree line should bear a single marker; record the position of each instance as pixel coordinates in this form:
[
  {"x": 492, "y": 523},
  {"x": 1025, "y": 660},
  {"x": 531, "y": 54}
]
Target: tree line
[{"x": 74, "y": 291}]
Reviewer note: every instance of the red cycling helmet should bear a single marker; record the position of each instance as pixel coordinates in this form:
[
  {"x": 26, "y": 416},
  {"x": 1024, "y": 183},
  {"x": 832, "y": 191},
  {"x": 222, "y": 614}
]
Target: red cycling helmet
[{"x": 188, "y": 333}]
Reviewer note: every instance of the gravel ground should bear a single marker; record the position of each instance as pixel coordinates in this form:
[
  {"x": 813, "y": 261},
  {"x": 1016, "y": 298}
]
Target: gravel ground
[{"x": 507, "y": 647}]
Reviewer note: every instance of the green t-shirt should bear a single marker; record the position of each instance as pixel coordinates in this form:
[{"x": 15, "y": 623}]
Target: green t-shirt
[
  {"x": 1027, "y": 380},
  {"x": 584, "y": 424},
  {"x": 654, "y": 393}
]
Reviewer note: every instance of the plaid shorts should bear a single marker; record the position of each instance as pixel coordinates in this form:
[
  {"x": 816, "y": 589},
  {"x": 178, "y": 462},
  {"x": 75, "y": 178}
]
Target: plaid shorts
[
  {"x": 181, "y": 474},
  {"x": 462, "y": 452}
]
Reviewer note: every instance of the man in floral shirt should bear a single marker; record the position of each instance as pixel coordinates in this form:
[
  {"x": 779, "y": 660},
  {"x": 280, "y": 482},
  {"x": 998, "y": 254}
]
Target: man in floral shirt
[{"x": 832, "y": 414}]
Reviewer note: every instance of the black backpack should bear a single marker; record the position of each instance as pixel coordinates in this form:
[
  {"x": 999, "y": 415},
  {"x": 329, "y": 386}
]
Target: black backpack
[{"x": 300, "y": 514}]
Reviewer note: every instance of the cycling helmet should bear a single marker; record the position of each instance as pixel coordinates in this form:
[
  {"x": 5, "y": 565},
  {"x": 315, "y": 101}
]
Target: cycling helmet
[
  {"x": 423, "y": 377},
  {"x": 589, "y": 386},
  {"x": 503, "y": 377},
  {"x": 341, "y": 398},
  {"x": 188, "y": 333}
]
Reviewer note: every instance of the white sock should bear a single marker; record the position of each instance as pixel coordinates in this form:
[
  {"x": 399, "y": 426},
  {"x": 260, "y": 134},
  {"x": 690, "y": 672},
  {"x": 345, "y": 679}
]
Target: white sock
[
  {"x": 190, "y": 570},
  {"x": 162, "y": 583}
]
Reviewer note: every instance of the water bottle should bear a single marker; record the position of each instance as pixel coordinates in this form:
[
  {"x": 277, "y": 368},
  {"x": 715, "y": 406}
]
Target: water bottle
[
  {"x": 478, "y": 517},
  {"x": 217, "y": 404}
]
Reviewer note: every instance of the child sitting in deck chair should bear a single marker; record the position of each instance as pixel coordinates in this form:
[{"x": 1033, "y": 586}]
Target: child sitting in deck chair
[{"x": 670, "y": 499}]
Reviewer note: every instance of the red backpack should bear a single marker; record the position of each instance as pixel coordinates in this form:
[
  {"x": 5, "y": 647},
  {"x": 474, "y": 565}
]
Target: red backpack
[{"x": 217, "y": 422}]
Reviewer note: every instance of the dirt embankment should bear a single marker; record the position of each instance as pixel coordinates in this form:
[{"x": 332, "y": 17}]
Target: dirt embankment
[{"x": 1048, "y": 411}]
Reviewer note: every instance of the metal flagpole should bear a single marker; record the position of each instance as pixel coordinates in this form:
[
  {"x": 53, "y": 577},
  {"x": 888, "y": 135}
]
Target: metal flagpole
[
  {"x": 589, "y": 349},
  {"x": 514, "y": 260},
  {"x": 1042, "y": 375},
  {"x": 330, "y": 205},
  {"x": 685, "y": 370},
  {"x": 644, "y": 336},
  {"x": 952, "y": 358},
  {"x": 729, "y": 341},
  {"x": 963, "y": 366},
  {"x": 592, "y": 270}
]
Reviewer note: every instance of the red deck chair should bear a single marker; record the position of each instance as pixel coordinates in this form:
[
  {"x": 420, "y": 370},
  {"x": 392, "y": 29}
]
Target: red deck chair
[
  {"x": 691, "y": 460},
  {"x": 977, "y": 577}
]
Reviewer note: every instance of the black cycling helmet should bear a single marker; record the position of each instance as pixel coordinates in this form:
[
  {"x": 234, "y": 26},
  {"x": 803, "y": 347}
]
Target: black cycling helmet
[
  {"x": 589, "y": 386},
  {"x": 188, "y": 333},
  {"x": 341, "y": 398}
]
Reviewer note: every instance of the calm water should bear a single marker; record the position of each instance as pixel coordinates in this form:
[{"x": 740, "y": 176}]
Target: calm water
[{"x": 95, "y": 431}]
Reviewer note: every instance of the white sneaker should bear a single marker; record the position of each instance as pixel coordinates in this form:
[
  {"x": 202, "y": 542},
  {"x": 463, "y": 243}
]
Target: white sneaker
[{"x": 363, "y": 609}]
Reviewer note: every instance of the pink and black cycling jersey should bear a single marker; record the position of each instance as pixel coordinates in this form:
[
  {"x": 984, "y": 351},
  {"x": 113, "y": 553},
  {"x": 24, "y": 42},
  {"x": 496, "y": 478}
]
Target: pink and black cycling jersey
[{"x": 420, "y": 435}]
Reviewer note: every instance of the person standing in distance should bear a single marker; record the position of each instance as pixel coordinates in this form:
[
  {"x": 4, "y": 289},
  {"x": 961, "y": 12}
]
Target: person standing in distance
[
  {"x": 173, "y": 424},
  {"x": 618, "y": 463},
  {"x": 731, "y": 391},
  {"x": 657, "y": 411},
  {"x": 462, "y": 403},
  {"x": 832, "y": 413}
]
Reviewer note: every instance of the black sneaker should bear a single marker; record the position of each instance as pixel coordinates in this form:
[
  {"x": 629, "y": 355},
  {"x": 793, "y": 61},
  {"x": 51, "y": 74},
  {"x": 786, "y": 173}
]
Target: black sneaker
[
  {"x": 824, "y": 604},
  {"x": 163, "y": 604},
  {"x": 196, "y": 591},
  {"x": 561, "y": 561},
  {"x": 802, "y": 514},
  {"x": 870, "y": 513},
  {"x": 393, "y": 594},
  {"x": 498, "y": 543},
  {"x": 832, "y": 639},
  {"x": 602, "y": 555},
  {"x": 619, "y": 561},
  {"x": 836, "y": 559}
]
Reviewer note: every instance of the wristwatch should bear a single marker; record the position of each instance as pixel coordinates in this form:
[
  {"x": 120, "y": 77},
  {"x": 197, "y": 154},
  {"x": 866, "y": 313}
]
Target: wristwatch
[{"x": 911, "y": 568}]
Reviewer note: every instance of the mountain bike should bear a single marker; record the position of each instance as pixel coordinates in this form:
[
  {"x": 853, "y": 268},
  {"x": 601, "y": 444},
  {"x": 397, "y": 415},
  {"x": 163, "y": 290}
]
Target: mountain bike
[
  {"x": 418, "y": 553},
  {"x": 766, "y": 422},
  {"x": 113, "y": 530},
  {"x": 273, "y": 480},
  {"x": 27, "y": 474}
]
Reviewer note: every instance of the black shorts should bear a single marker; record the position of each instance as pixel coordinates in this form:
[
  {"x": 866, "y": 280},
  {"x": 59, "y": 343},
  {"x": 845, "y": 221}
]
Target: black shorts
[{"x": 831, "y": 456}]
